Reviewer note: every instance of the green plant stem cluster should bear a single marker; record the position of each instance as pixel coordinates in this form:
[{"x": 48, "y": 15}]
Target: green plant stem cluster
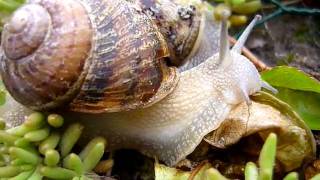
[
  {"x": 266, "y": 164},
  {"x": 38, "y": 149}
]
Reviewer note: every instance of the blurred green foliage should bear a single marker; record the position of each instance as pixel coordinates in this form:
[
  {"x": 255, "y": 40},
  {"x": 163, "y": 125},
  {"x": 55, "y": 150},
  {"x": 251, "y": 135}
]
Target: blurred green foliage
[{"x": 299, "y": 90}]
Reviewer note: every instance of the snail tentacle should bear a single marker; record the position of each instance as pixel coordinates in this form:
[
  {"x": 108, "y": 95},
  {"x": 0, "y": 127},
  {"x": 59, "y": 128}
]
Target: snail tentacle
[
  {"x": 269, "y": 87},
  {"x": 240, "y": 44},
  {"x": 224, "y": 55},
  {"x": 244, "y": 36}
]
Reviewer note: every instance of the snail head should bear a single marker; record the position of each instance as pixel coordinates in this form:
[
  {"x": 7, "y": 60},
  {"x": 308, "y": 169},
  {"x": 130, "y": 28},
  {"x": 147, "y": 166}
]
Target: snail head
[{"x": 239, "y": 77}]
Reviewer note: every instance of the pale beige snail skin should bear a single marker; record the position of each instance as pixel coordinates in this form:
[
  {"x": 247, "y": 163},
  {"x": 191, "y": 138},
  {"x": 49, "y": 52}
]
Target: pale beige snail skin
[{"x": 183, "y": 108}]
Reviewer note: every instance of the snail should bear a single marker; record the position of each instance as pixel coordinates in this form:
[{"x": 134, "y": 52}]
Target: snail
[{"x": 104, "y": 62}]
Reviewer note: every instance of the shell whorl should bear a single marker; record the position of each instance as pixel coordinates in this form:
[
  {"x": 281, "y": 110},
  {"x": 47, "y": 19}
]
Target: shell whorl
[
  {"x": 180, "y": 23},
  {"x": 45, "y": 47},
  {"x": 26, "y": 31},
  {"x": 95, "y": 56},
  {"x": 128, "y": 69}
]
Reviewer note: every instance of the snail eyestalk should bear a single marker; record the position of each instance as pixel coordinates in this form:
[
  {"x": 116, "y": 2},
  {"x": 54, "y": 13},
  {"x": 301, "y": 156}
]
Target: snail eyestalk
[
  {"x": 244, "y": 36},
  {"x": 224, "y": 54},
  {"x": 267, "y": 86}
]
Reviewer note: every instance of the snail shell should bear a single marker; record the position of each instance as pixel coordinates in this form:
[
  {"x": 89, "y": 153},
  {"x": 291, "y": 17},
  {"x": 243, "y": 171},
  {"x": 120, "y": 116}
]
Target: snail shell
[
  {"x": 96, "y": 56},
  {"x": 179, "y": 22}
]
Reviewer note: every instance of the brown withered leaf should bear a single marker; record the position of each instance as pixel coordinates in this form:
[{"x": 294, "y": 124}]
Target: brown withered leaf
[{"x": 266, "y": 114}]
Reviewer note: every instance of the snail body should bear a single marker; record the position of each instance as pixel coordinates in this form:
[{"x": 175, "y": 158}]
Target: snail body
[{"x": 120, "y": 86}]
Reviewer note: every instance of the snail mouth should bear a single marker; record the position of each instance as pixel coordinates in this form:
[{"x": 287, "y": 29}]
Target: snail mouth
[{"x": 26, "y": 31}]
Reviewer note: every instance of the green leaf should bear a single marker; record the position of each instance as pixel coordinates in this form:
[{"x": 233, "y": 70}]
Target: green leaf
[
  {"x": 306, "y": 104},
  {"x": 292, "y": 78},
  {"x": 299, "y": 90}
]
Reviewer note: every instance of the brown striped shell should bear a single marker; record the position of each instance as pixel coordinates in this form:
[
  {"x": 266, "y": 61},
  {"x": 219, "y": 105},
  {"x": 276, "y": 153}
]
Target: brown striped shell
[
  {"x": 94, "y": 56},
  {"x": 179, "y": 22}
]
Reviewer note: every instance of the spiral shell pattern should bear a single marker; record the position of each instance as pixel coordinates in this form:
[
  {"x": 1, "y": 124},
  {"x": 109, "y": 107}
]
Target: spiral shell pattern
[
  {"x": 92, "y": 56},
  {"x": 45, "y": 47},
  {"x": 178, "y": 22},
  {"x": 24, "y": 36},
  {"x": 128, "y": 69}
]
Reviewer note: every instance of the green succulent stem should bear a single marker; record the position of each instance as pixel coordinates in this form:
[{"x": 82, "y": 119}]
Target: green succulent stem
[
  {"x": 7, "y": 138},
  {"x": 24, "y": 155},
  {"x": 57, "y": 172},
  {"x": 73, "y": 162},
  {"x": 22, "y": 176},
  {"x": 69, "y": 138},
  {"x": 35, "y": 120},
  {"x": 9, "y": 171},
  {"x": 51, "y": 142},
  {"x": 291, "y": 176},
  {"x": 90, "y": 145},
  {"x": 52, "y": 157},
  {"x": 37, "y": 135},
  {"x": 93, "y": 157},
  {"x": 30, "y": 150},
  {"x": 55, "y": 120},
  {"x": 36, "y": 175},
  {"x": 251, "y": 171},
  {"x": 267, "y": 157}
]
